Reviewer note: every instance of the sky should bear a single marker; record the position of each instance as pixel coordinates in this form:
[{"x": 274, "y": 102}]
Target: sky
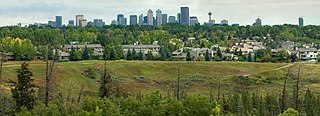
[{"x": 244, "y": 12}]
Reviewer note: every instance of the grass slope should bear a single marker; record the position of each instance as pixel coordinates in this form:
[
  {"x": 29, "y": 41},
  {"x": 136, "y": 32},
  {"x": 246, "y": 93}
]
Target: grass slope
[{"x": 146, "y": 76}]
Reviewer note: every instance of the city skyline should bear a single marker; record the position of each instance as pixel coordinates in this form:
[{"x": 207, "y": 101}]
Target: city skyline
[{"x": 271, "y": 12}]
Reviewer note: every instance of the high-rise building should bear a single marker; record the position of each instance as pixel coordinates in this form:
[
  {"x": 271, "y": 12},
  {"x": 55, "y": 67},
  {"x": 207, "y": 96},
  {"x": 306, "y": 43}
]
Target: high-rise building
[
  {"x": 184, "y": 15},
  {"x": 158, "y": 17},
  {"x": 172, "y": 19},
  {"x": 71, "y": 23},
  {"x": 193, "y": 21},
  {"x": 301, "y": 21},
  {"x": 145, "y": 20},
  {"x": 78, "y": 19},
  {"x": 141, "y": 19},
  {"x": 150, "y": 17},
  {"x": 164, "y": 18},
  {"x": 58, "y": 21},
  {"x": 98, "y": 23},
  {"x": 121, "y": 20},
  {"x": 258, "y": 22},
  {"x": 133, "y": 20},
  {"x": 179, "y": 18},
  {"x": 224, "y": 22},
  {"x": 83, "y": 23}
]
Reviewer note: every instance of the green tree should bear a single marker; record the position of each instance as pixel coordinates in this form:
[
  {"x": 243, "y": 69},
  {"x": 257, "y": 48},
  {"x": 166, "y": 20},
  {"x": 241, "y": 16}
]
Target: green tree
[
  {"x": 23, "y": 94},
  {"x": 140, "y": 55},
  {"x": 149, "y": 56},
  {"x": 112, "y": 54},
  {"x": 207, "y": 56},
  {"x": 105, "y": 83},
  {"x": 85, "y": 54},
  {"x": 134, "y": 54},
  {"x": 188, "y": 58},
  {"x": 289, "y": 112},
  {"x": 72, "y": 54},
  {"x": 129, "y": 55},
  {"x": 219, "y": 53}
]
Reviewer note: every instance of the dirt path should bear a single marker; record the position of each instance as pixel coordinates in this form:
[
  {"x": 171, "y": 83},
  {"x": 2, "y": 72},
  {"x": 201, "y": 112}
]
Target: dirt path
[{"x": 286, "y": 66}]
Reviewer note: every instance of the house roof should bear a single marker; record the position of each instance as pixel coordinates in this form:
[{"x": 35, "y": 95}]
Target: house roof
[
  {"x": 140, "y": 46},
  {"x": 308, "y": 49},
  {"x": 83, "y": 46}
]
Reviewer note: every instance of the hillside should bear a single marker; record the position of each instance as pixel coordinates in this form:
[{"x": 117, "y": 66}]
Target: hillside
[{"x": 145, "y": 76}]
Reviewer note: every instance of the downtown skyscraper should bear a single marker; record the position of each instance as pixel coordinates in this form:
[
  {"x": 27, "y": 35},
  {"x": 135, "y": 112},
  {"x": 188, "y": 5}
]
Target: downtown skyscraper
[
  {"x": 150, "y": 17},
  {"x": 58, "y": 21},
  {"x": 301, "y": 22},
  {"x": 158, "y": 17},
  {"x": 184, "y": 15},
  {"x": 133, "y": 19}
]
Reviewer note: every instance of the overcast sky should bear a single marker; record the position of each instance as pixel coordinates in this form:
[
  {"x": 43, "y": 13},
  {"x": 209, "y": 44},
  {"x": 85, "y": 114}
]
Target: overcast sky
[{"x": 243, "y": 12}]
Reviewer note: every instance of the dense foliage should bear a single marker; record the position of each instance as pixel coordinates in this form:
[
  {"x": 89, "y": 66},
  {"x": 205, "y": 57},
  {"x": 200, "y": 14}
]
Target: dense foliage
[{"x": 126, "y": 35}]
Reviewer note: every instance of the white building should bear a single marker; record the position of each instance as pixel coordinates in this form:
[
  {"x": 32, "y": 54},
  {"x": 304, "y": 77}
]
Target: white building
[
  {"x": 150, "y": 17},
  {"x": 159, "y": 17},
  {"x": 308, "y": 54}
]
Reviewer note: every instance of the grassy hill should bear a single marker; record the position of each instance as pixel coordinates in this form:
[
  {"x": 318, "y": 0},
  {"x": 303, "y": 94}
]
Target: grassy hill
[{"x": 145, "y": 76}]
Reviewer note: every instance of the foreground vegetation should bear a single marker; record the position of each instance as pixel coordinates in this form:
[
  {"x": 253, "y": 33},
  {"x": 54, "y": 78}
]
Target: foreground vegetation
[{"x": 204, "y": 88}]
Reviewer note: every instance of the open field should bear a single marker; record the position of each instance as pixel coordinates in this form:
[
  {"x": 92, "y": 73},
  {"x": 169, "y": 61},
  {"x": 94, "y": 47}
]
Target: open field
[{"x": 134, "y": 77}]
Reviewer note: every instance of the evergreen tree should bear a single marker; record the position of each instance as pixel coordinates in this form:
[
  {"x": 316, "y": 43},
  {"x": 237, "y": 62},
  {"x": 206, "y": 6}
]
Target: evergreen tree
[
  {"x": 105, "y": 81},
  {"x": 207, "y": 56},
  {"x": 140, "y": 55},
  {"x": 72, "y": 54},
  {"x": 112, "y": 54},
  {"x": 149, "y": 56},
  {"x": 129, "y": 55},
  {"x": 23, "y": 94},
  {"x": 163, "y": 53},
  {"x": 188, "y": 56},
  {"x": 308, "y": 101},
  {"x": 219, "y": 53},
  {"x": 85, "y": 54},
  {"x": 134, "y": 54}
]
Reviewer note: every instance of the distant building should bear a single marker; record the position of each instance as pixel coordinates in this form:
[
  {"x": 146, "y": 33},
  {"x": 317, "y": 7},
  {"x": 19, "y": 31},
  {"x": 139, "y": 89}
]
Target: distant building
[
  {"x": 133, "y": 19},
  {"x": 83, "y": 23},
  {"x": 71, "y": 23},
  {"x": 58, "y": 21},
  {"x": 224, "y": 22},
  {"x": 145, "y": 20},
  {"x": 150, "y": 17},
  {"x": 172, "y": 19},
  {"x": 179, "y": 18},
  {"x": 141, "y": 19},
  {"x": 164, "y": 18},
  {"x": 98, "y": 23},
  {"x": 184, "y": 15},
  {"x": 158, "y": 17},
  {"x": 258, "y": 22},
  {"x": 78, "y": 19},
  {"x": 121, "y": 20},
  {"x": 301, "y": 21},
  {"x": 52, "y": 23},
  {"x": 193, "y": 21},
  {"x": 114, "y": 22}
]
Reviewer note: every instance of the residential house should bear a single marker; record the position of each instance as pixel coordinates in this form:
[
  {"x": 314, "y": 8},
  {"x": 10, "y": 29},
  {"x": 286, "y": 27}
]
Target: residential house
[
  {"x": 144, "y": 48},
  {"x": 308, "y": 54}
]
